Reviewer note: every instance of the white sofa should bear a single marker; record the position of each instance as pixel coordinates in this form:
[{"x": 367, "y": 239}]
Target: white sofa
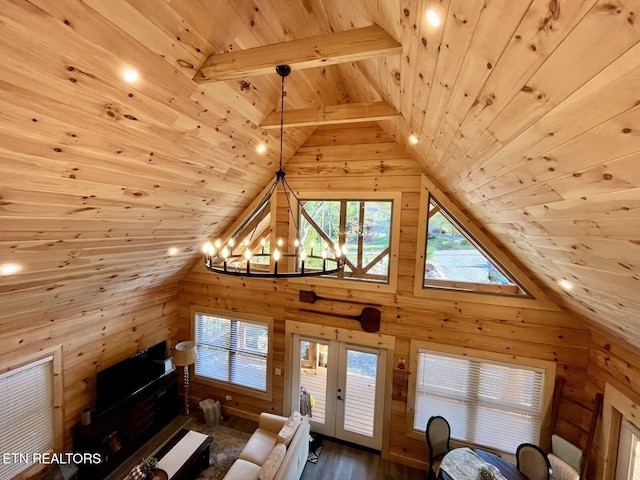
[{"x": 267, "y": 456}]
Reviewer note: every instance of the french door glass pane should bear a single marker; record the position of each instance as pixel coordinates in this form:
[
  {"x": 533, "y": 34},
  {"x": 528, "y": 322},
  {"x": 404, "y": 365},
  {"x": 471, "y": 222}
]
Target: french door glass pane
[
  {"x": 360, "y": 392},
  {"x": 313, "y": 379}
]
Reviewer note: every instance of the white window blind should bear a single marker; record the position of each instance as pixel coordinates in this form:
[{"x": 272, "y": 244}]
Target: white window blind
[
  {"x": 26, "y": 416},
  {"x": 492, "y": 404},
  {"x": 232, "y": 351}
]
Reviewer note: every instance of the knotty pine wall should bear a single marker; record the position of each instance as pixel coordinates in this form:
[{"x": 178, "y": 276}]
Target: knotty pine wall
[
  {"x": 365, "y": 159},
  {"x": 95, "y": 337}
]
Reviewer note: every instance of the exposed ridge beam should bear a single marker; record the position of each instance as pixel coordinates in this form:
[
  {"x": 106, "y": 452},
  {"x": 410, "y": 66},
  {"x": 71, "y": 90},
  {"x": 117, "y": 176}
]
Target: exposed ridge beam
[
  {"x": 332, "y": 114},
  {"x": 330, "y": 49}
]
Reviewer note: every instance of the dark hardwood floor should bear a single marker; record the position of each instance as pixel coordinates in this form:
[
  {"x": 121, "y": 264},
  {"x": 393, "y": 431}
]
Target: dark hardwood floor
[{"x": 342, "y": 461}]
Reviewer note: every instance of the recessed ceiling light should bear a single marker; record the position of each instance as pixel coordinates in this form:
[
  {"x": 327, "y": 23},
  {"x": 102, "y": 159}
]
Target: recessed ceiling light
[
  {"x": 173, "y": 251},
  {"x": 414, "y": 139},
  {"x": 130, "y": 75},
  {"x": 261, "y": 148},
  {"x": 564, "y": 284},
  {"x": 9, "y": 269},
  {"x": 433, "y": 18}
]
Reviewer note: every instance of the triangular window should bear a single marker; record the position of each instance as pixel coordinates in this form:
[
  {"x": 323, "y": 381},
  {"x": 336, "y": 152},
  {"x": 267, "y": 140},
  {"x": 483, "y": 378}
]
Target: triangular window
[{"x": 456, "y": 261}]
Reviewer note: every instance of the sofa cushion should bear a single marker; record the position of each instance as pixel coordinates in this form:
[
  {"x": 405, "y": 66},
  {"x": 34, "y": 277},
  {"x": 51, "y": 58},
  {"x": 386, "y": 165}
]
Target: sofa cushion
[
  {"x": 259, "y": 446},
  {"x": 242, "y": 470},
  {"x": 288, "y": 430},
  {"x": 297, "y": 454},
  {"x": 272, "y": 463}
]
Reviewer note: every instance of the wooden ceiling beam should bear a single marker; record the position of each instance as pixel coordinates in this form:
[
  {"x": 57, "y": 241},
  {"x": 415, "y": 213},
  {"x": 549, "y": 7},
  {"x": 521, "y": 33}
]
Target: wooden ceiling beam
[
  {"x": 330, "y": 49},
  {"x": 332, "y": 114}
]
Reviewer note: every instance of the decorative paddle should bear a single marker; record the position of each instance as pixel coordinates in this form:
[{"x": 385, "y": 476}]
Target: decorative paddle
[
  {"x": 309, "y": 296},
  {"x": 369, "y": 318}
]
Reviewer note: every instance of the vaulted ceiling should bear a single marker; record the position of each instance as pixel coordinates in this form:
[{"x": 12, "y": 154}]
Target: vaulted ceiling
[{"x": 526, "y": 113}]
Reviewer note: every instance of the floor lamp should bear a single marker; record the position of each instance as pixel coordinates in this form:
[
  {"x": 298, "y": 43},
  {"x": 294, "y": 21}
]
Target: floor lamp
[{"x": 185, "y": 354}]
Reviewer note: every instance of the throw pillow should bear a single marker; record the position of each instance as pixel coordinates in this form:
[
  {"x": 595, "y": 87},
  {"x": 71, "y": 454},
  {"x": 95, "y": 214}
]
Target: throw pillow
[
  {"x": 288, "y": 430},
  {"x": 272, "y": 463}
]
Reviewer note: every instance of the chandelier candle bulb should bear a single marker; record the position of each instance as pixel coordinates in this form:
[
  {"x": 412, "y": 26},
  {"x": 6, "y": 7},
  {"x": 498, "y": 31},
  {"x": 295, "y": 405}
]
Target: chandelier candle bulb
[
  {"x": 303, "y": 257},
  {"x": 276, "y": 257}
]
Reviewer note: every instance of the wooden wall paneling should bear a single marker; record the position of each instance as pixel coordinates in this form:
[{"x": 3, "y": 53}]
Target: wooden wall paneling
[
  {"x": 484, "y": 50},
  {"x": 423, "y": 64},
  {"x": 555, "y": 336},
  {"x": 566, "y": 120},
  {"x": 558, "y": 162},
  {"x": 100, "y": 178},
  {"x": 376, "y": 151},
  {"x": 322, "y": 167},
  {"x": 618, "y": 175},
  {"x": 373, "y": 184},
  {"x": 527, "y": 51},
  {"x": 109, "y": 331},
  {"x": 550, "y": 85},
  {"x": 519, "y": 330},
  {"x": 159, "y": 29},
  {"x": 410, "y": 16},
  {"x": 457, "y": 32}
]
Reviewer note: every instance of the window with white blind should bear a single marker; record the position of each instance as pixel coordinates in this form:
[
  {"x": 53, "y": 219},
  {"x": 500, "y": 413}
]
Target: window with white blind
[
  {"x": 27, "y": 424},
  {"x": 487, "y": 402},
  {"x": 234, "y": 351}
]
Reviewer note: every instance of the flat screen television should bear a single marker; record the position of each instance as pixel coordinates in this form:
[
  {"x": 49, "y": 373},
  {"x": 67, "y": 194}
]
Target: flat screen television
[{"x": 116, "y": 384}]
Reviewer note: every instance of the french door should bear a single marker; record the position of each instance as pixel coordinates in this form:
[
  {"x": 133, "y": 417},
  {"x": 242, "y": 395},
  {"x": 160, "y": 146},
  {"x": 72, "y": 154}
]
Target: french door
[{"x": 341, "y": 387}]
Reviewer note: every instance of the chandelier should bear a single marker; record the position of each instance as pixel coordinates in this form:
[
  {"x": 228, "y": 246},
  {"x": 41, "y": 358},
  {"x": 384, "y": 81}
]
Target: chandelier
[{"x": 244, "y": 254}]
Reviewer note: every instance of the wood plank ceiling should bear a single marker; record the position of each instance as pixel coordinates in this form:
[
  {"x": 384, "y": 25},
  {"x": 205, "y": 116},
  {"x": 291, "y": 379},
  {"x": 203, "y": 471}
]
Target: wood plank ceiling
[{"x": 526, "y": 111}]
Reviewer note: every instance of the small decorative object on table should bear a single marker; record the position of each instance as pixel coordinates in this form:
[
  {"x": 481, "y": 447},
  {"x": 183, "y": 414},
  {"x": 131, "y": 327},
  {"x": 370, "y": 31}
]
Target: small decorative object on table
[
  {"x": 147, "y": 470},
  {"x": 486, "y": 474}
]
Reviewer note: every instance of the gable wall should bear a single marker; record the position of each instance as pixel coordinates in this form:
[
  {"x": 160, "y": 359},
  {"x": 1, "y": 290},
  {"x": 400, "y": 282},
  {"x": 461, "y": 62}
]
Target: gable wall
[{"x": 364, "y": 159}]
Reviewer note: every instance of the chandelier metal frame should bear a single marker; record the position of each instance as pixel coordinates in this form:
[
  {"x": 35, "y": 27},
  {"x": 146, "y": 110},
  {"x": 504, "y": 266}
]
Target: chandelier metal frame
[{"x": 224, "y": 257}]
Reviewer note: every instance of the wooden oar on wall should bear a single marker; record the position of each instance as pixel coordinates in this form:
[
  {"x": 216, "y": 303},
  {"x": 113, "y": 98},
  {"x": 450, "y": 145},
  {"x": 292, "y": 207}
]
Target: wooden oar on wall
[
  {"x": 369, "y": 318},
  {"x": 309, "y": 296}
]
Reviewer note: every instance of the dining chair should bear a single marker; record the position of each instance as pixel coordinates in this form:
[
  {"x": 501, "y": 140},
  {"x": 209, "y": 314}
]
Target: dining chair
[
  {"x": 438, "y": 433},
  {"x": 533, "y": 462},
  {"x": 565, "y": 459}
]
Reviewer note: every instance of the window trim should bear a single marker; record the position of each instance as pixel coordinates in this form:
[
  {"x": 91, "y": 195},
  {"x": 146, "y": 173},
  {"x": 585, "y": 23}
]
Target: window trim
[
  {"x": 394, "y": 247},
  {"x": 246, "y": 317},
  {"x": 537, "y": 298},
  {"x": 616, "y": 407},
  {"x": 516, "y": 360},
  {"x": 463, "y": 285},
  {"x": 9, "y": 362}
]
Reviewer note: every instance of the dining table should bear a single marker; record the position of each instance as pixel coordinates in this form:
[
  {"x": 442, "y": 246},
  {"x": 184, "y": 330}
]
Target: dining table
[{"x": 465, "y": 463}]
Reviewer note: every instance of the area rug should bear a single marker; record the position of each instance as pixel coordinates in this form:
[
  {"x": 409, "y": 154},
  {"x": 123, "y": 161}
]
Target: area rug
[
  {"x": 225, "y": 449},
  {"x": 315, "y": 448}
]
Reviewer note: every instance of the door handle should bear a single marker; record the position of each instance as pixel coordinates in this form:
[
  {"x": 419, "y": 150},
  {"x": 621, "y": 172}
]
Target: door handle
[{"x": 340, "y": 397}]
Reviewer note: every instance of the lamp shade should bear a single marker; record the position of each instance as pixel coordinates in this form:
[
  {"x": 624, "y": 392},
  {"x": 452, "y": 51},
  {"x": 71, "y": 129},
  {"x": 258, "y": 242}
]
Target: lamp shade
[{"x": 185, "y": 353}]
